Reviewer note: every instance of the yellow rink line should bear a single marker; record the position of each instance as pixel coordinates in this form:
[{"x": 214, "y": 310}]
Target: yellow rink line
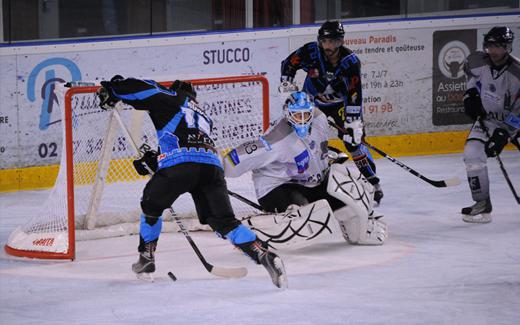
[{"x": 41, "y": 177}]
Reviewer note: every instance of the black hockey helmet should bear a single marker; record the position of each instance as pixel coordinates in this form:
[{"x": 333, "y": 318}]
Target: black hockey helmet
[
  {"x": 502, "y": 36},
  {"x": 331, "y": 29}
]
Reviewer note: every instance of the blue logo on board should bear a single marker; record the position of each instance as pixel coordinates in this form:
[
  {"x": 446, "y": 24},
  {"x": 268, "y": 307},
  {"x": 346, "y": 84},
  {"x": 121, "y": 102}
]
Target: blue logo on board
[{"x": 49, "y": 98}]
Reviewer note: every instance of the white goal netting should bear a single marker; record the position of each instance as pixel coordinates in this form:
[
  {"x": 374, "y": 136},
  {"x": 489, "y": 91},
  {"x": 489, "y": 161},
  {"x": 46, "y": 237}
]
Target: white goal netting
[{"x": 97, "y": 191}]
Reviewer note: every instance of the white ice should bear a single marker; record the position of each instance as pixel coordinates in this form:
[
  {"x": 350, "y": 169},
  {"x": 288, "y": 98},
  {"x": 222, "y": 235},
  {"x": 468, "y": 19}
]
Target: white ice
[{"x": 434, "y": 268}]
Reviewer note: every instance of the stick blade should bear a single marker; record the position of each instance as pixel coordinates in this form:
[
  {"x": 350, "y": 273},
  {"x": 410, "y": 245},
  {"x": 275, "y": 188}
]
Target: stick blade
[
  {"x": 454, "y": 181},
  {"x": 225, "y": 272}
]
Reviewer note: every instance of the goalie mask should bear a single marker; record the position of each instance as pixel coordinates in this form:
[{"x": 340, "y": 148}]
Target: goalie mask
[{"x": 299, "y": 111}]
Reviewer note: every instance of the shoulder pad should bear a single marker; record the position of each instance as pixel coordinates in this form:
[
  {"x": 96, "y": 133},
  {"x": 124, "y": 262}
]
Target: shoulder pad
[
  {"x": 278, "y": 131},
  {"x": 514, "y": 68},
  {"x": 349, "y": 61}
]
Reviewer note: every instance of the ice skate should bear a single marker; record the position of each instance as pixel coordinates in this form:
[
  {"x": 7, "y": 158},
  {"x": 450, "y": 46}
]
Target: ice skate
[
  {"x": 272, "y": 262},
  {"x": 145, "y": 265},
  {"x": 378, "y": 193},
  {"x": 480, "y": 212},
  {"x": 274, "y": 265}
]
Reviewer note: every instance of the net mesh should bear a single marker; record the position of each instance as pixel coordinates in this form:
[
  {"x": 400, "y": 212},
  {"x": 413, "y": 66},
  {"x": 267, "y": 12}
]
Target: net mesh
[{"x": 107, "y": 189}]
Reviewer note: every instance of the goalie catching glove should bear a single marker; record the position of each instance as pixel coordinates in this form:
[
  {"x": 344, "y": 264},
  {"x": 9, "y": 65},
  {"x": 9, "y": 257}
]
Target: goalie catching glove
[{"x": 147, "y": 164}]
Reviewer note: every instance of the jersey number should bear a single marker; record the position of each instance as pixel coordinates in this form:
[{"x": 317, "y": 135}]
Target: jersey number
[{"x": 196, "y": 120}]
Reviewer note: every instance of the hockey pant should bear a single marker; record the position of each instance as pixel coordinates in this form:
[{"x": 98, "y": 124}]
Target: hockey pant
[
  {"x": 356, "y": 217},
  {"x": 280, "y": 198},
  {"x": 207, "y": 186}
]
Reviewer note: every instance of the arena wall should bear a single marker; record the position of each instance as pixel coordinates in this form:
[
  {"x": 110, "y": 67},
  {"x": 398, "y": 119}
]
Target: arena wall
[{"x": 411, "y": 73}]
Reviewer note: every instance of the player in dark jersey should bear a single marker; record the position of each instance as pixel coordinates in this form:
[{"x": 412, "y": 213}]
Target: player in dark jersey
[
  {"x": 187, "y": 162},
  {"x": 334, "y": 80},
  {"x": 492, "y": 100}
]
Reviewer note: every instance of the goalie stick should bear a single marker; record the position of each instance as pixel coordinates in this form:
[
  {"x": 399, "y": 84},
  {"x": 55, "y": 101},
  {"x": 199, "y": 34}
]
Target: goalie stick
[
  {"x": 454, "y": 181},
  {"x": 245, "y": 200},
  {"x": 225, "y": 272},
  {"x": 501, "y": 164}
]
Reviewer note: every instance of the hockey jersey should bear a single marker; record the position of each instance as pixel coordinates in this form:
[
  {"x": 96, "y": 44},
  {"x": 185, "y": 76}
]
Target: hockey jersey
[
  {"x": 499, "y": 89},
  {"x": 183, "y": 131},
  {"x": 332, "y": 87},
  {"x": 280, "y": 157}
]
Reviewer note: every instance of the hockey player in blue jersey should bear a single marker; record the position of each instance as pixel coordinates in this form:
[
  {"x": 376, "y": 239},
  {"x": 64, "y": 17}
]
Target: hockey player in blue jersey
[
  {"x": 187, "y": 162},
  {"x": 334, "y": 80}
]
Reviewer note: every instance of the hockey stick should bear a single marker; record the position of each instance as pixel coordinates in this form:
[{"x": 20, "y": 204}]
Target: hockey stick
[
  {"x": 454, "y": 181},
  {"x": 245, "y": 200},
  {"x": 238, "y": 272},
  {"x": 500, "y": 164}
]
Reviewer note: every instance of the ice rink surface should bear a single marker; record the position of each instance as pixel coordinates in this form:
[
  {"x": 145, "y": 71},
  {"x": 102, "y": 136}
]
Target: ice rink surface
[{"x": 433, "y": 269}]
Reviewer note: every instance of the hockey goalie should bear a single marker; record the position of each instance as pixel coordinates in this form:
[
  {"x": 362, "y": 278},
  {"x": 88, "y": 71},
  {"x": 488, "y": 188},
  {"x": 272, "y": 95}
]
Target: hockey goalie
[{"x": 302, "y": 185}]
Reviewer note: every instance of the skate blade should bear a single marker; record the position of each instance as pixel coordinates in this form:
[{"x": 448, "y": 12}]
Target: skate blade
[
  {"x": 146, "y": 277},
  {"x": 281, "y": 279},
  {"x": 479, "y": 218}
]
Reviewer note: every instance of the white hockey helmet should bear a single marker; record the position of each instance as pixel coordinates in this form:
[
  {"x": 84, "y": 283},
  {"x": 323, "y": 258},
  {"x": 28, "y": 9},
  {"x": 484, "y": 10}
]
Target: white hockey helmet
[{"x": 299, "y": 111}]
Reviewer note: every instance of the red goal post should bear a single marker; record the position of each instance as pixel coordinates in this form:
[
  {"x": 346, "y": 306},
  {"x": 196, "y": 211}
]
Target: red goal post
[{"x": 96, "y": 180}]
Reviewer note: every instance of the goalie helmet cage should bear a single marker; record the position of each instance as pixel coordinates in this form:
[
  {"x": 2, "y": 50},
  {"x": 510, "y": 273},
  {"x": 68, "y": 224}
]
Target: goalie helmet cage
[{"x": 97, "y": 191}]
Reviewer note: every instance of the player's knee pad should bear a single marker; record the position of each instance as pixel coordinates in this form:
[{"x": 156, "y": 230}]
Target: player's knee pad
[
  {"x": 474, "y": 154},
  {"x": 150, "y": 227}
]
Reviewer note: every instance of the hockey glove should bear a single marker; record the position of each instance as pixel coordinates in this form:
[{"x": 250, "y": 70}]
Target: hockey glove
[
  {"x": 147, "y": 163},
  {"x": 186, "y": 87},
  {"x": 497, "y": 142},
  {"x": 106, "y": 100},
  {"x": 335, "y": 156},
  {"x": 515, "y": 141},
  {"x": 354, "y": 134},
  {"x": 287, "y": 87},
  {"x": 473, "y": 104}
]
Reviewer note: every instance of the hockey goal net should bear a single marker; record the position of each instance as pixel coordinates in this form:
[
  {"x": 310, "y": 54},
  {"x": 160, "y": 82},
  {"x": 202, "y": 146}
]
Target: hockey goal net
[{"x": 97, "y": 191}]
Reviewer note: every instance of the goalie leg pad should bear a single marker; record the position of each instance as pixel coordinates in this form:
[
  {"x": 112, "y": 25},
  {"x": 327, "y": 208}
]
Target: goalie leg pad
[
  {"x": 348, "y": 185},
  {"x": 294, "y": 226},
  {"x": 359, "y": 230}
]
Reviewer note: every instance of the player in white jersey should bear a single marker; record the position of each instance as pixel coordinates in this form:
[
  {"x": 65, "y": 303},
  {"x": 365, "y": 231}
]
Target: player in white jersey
[
  {"x": 290, "y": 166},
  {"x": 492, "y": 100}
]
